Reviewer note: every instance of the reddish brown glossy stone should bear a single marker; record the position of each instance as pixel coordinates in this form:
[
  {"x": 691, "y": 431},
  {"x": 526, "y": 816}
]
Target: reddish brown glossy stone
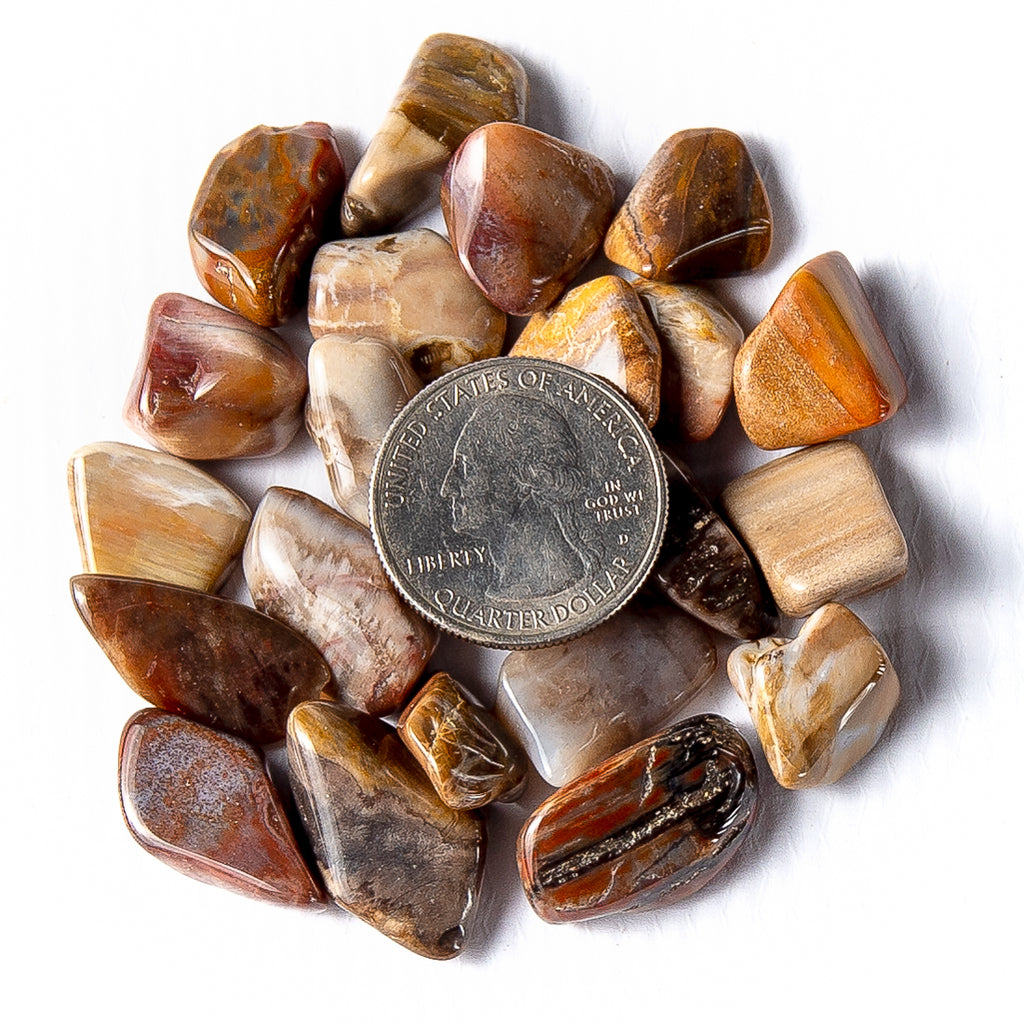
[
  {"x": 389, "y": 850},
  {"x": 262, "y": 210},
  {"x": 699, "y": 209},
  {"x": 212, "y": 385},
  {"x": 197, "y": 655},
  {"x": 524, "y": 212},
  {"x": 468, "y": 755},
  {"x": 202, "y": 802},
  {"x": 643, "y": 829}
]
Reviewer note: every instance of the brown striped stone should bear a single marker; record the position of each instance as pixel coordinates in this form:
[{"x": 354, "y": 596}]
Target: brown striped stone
[
  {"x": 216, "y": 661},
  {"x": 643, "y": 829},
  {"x": 201, "y": 801}
]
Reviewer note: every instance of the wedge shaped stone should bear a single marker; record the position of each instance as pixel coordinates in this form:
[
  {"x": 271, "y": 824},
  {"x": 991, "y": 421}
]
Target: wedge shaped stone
[
  {"x": 819, "y": 525},
  {"x": 468, "y": 755},
  {"x": 524, "y": 212},
  {"x": 212, "y": 385},
  {"x": 193, "y": 654},
  {"x": 454, "y": 84},
  {"x": 356, "y": 387},
  {"x": 643, "y": 829},
  {"x": 601, "y": 327},
  {"x": 388, "y": 849},
  {"x": 574, "y": 704},
  {"x": 699, "y": 341},
  {"x": 154, "y": 516},
  {"x": 202, "y": 802},
  {"x": 699, "y": 209},
  {"x": 317, "y": 571},
  {"x": 263, "y": 208},
  {"x": 819, "y": 702},
  {"x": 703, "y": 568},
  {"x": 407, "y": 289},
  {"x": 818, "y": 365}
]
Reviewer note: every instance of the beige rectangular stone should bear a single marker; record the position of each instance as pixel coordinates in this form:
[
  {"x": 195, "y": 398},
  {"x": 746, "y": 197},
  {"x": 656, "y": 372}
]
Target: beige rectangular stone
[{"x": 819, "y": 525}]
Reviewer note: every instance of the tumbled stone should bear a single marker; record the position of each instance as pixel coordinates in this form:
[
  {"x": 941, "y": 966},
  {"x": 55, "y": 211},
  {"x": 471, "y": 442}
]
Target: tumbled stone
[
  {"x": 193, "y": 654},
  {"x": 468, "y": 755},
  {"x": 819, "y": 702},
  {"x": 317, "y": 571},
  {"x": 454, "y": 84},
  {"x": 699, "y": 209},
  {"x": 818, "y": 365},
  {"x": 703, "y": 568},
  {"x": 601, "y": 327},
  {"x": 819, "y": 526},
  {"x": 407, "y": 289},
  {"x": 263, "y": 208},
  {"x": 202, "y": 802},
  {"x": 388, "y": 848},
  {"x": 212, "y": 385},
  {"x": 356, "y": 387},
  {"x": 154, "y": 516},
  {"x": 699, "y": 341},
  {"x": 524, "y": 212},
  {"x": 574, "y": 704},
  {"x": 645, "y": 829}
]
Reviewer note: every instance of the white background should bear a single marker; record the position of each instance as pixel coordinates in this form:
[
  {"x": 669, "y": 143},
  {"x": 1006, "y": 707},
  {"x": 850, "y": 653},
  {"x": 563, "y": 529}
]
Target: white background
[{"x": 888, "y": 131}]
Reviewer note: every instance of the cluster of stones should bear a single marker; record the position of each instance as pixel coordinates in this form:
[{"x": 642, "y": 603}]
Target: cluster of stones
[{"x": 393, "y": 814}]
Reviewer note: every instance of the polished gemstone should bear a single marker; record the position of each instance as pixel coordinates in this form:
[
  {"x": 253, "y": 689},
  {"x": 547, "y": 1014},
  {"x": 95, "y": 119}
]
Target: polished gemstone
[
  {"x": 454, "y": 84},
  {"x": 574, "y": 704},
  {"x": 646, "y": 828},
  {"x": 818, "y": 365},
  {"x": 819, "y": 526},
  {"x": 819, "y": 702},
  {"x": 699, "y": 341},
  {"x": 468, "y": 755},
  {"x": 699, "y": 209},
  {"x": 317, "y": 570},
  {"x": 202, "y": 802},
  {"x": 356, "y": 388},
  {"x": 154, "y": 516},
  {"x": 407, "y": 289},
  {"x": 212, "y": 385},
  {"x": 703, "y": 568},
  {"x": 387, "y": 847},
  {"x": 524, "y": 212},
  {"x": 263, "y": 208},
  {"x": 601, "y": 327},
  {"x": 218, "y": 662}
]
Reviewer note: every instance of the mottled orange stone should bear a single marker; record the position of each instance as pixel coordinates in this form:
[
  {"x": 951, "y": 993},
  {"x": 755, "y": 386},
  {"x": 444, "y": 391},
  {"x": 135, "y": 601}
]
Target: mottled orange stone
[
  {"x": 818, "y": 365},
  {"x": 260, "y": 214},
  {"x": 699, "y": 209},
  {"x": 601, "y": 327}
]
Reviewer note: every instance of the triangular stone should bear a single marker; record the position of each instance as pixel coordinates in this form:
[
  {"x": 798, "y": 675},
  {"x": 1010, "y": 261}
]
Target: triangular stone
[
  {"x": 202, "y": 802},
  {"x": 388, "y": 848}
]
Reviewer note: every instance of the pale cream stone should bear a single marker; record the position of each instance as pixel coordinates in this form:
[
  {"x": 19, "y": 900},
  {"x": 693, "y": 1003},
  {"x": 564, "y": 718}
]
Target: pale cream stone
[
  {"x": 408, "y": 289},
  {"x": 317, "y": 571},
  {"x": 819, "y": 702},
  {"x": 699, "y": 341},
  {"x": 819, "y": 525},
  {"x": 356, "y": 388},
  {"x": 153, "y": 516},
  {"x": 575, "y": 704}
]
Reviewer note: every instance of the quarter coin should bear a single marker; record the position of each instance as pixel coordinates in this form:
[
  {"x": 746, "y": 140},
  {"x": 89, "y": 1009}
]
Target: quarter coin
[{"x": 518, "y": 502}]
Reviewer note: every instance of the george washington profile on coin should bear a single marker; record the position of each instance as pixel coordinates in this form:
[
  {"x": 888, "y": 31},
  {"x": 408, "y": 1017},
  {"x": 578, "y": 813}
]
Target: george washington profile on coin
[{"x": 516, "y": 482}]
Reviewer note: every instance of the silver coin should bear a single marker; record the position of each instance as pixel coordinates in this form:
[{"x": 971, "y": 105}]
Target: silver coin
[{"x": 518, "y": 502}]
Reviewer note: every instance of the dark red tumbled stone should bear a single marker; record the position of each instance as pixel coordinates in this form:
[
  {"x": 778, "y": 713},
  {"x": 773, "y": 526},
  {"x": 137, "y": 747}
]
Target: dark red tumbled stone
[
  {"x": 260, "y": 214},
  {"x": 202, "y": 802},
  {"x": 197, "y": 655},
  {"x": 643, "y": 829},
  {"x": 524, "y": 212}
]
